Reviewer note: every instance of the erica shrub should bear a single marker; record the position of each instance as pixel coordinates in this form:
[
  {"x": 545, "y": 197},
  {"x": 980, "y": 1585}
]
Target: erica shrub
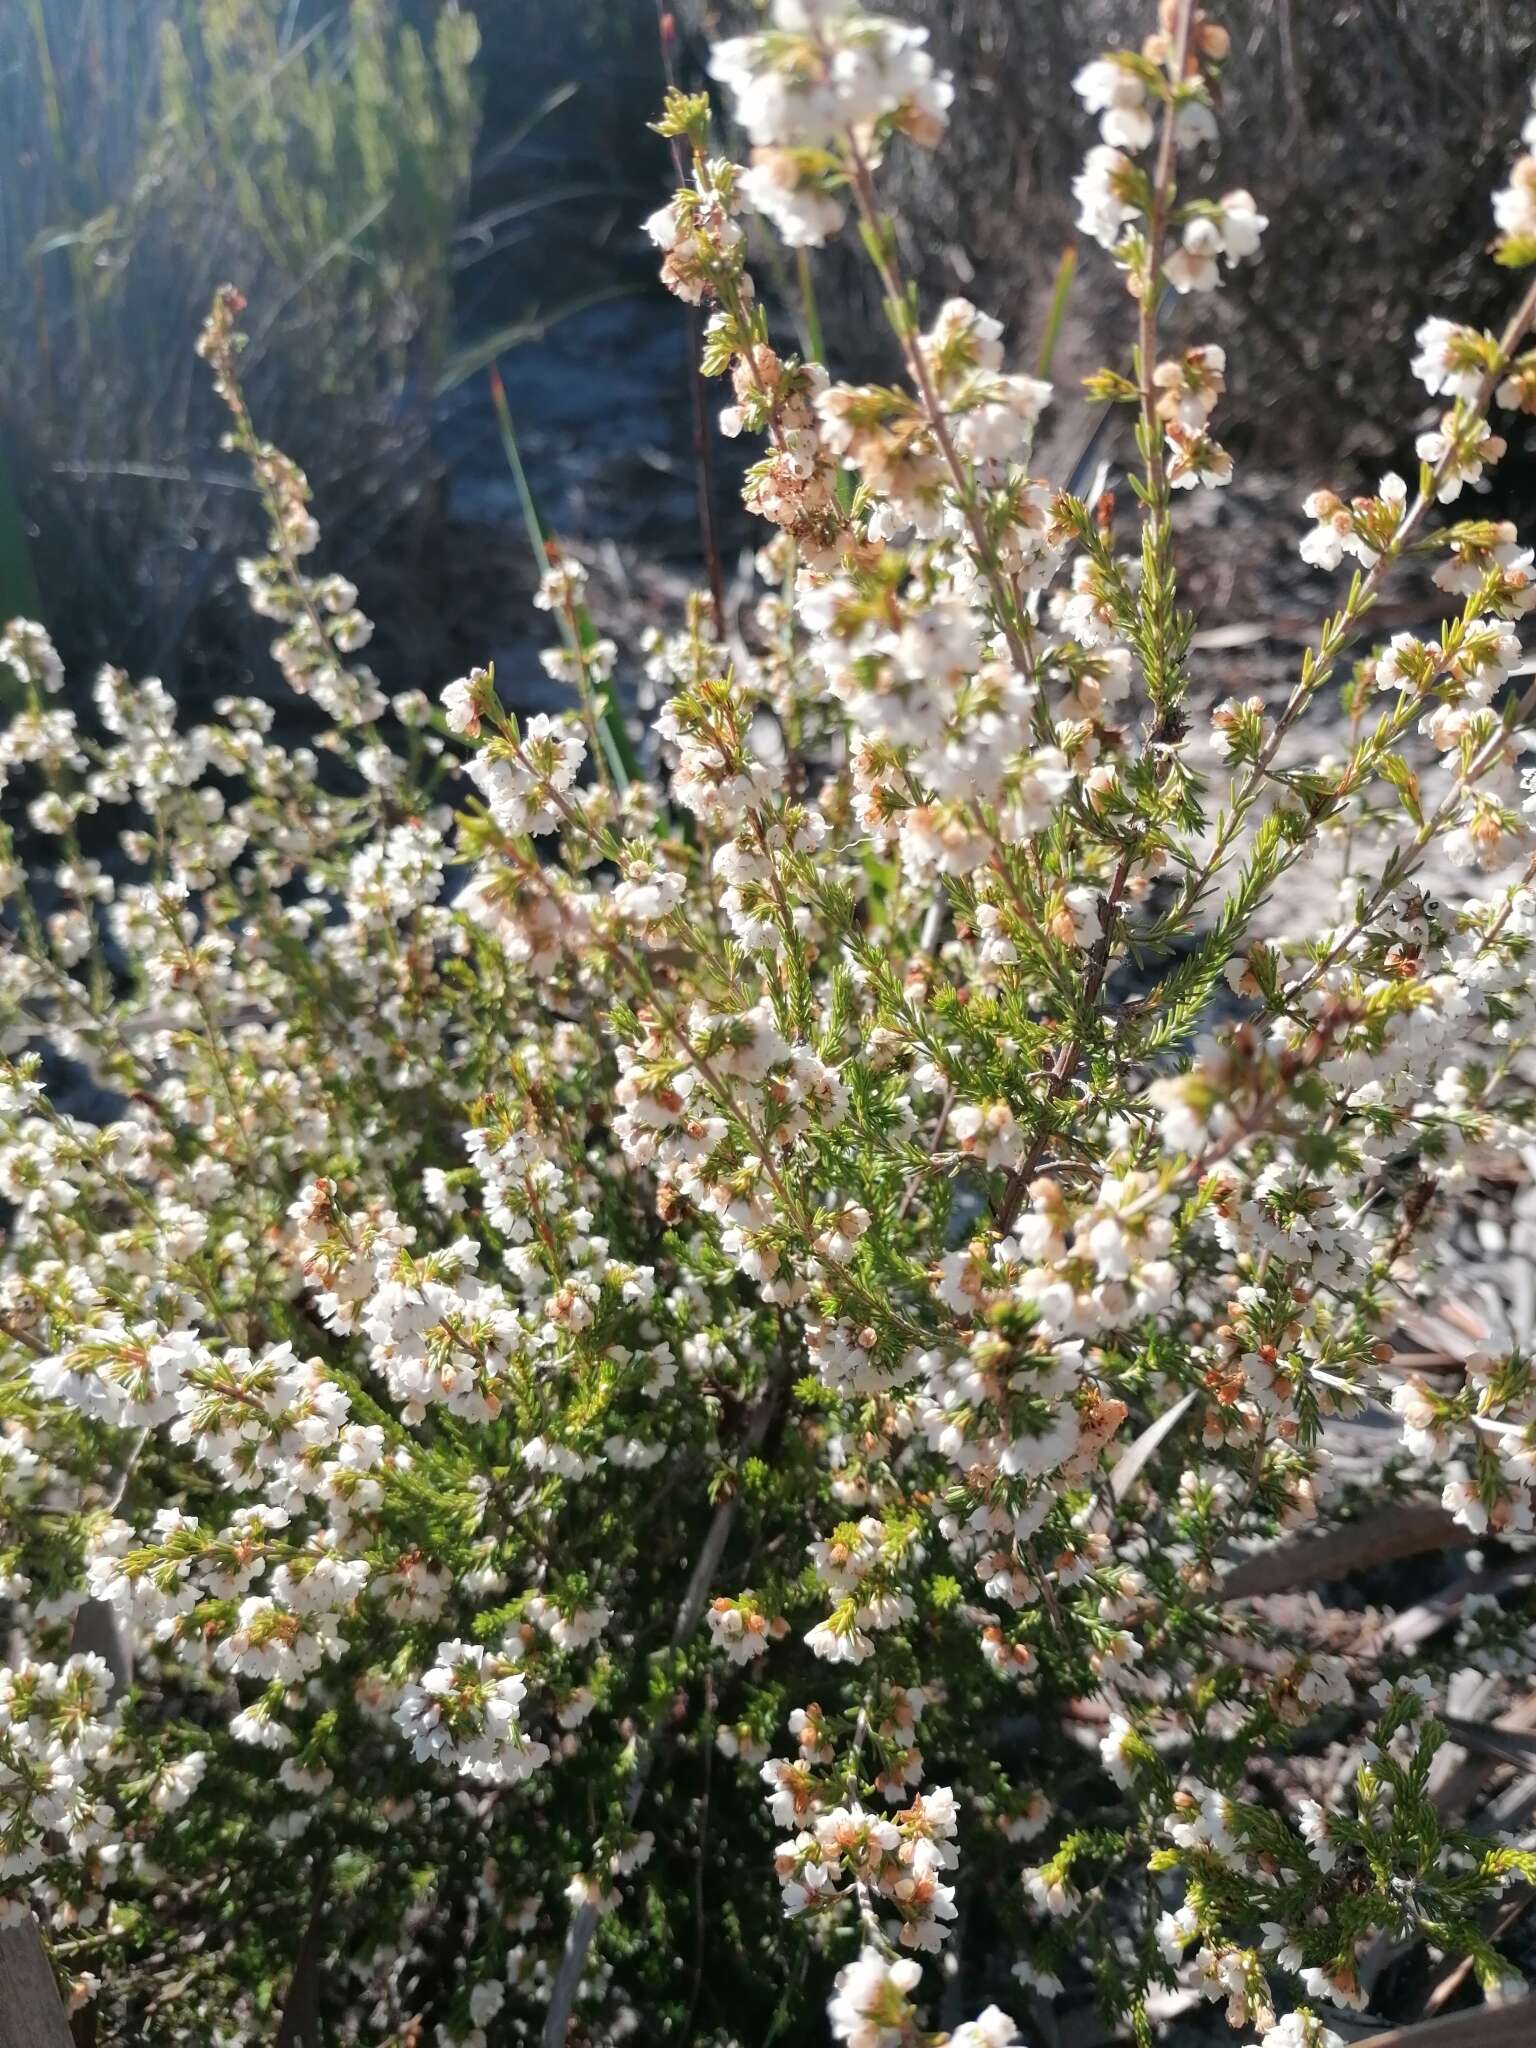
[{"x": 672, "y": 1387}]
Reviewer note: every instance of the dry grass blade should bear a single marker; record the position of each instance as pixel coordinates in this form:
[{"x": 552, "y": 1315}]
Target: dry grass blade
[
  {"x": 1300, "y": 626},
  {"x": 1510, "y": 1810},
  {"x": 31, "y": 2010},
  {"x": 1133, "y": 1462},
  {"x": 1407, "y": 1529},
  {"x": 1508, "y": 1745},
  {"x": 1415, "y": 1625},
  {"x": 1454, "y": 1795},
  {"x": 1449, "y": 1337},
  {"x": 1488, "y": 2026}
]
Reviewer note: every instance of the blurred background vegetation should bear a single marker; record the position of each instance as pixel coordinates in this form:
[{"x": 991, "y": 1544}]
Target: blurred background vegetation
[
  {"x": 385, "y": 180},
  {"x": 407, "y": 193}
]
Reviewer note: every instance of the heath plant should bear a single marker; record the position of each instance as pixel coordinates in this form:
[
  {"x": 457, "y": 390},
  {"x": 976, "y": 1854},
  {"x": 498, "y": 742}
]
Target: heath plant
[{"x": 659, "y": 1384}]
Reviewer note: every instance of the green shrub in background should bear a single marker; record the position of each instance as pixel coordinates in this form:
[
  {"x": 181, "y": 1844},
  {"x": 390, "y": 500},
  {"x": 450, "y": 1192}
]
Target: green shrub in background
[
  {"x": 347, "y": 160},
  {"x": 323, "y": 157}
]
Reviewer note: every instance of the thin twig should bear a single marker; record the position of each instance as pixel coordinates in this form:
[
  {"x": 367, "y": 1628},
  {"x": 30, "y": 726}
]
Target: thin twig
[{"x": 703, "y": 455}]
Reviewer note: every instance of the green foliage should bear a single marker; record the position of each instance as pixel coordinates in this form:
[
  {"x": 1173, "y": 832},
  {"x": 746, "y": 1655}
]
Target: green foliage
[
  {"x": 320, "y": 157},
  {"x": 344, "y": 153}
]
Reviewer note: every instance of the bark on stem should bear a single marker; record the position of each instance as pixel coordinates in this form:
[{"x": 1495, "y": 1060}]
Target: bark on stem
[{"x": 31, "y": 2010}]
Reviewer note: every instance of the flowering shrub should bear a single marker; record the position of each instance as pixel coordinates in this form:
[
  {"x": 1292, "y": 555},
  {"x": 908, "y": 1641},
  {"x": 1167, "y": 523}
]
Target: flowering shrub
[{"x": 652, "y": 1384}]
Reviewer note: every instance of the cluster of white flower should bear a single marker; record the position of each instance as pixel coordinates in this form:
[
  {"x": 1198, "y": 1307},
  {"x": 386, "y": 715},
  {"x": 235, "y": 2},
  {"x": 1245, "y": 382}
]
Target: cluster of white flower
[
  {"x": 63, "y": 1753},
  {"x": 870, "y": 2008},
  {"x": 896, "y": 1861},
  {"x": 739, "y": 1628},
  {"x": 55, "y": 1728},
  {"x": 463, "y": 1712},
  {"x": 522, "y": 783},
  {"x": 823, "y": 71}
]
